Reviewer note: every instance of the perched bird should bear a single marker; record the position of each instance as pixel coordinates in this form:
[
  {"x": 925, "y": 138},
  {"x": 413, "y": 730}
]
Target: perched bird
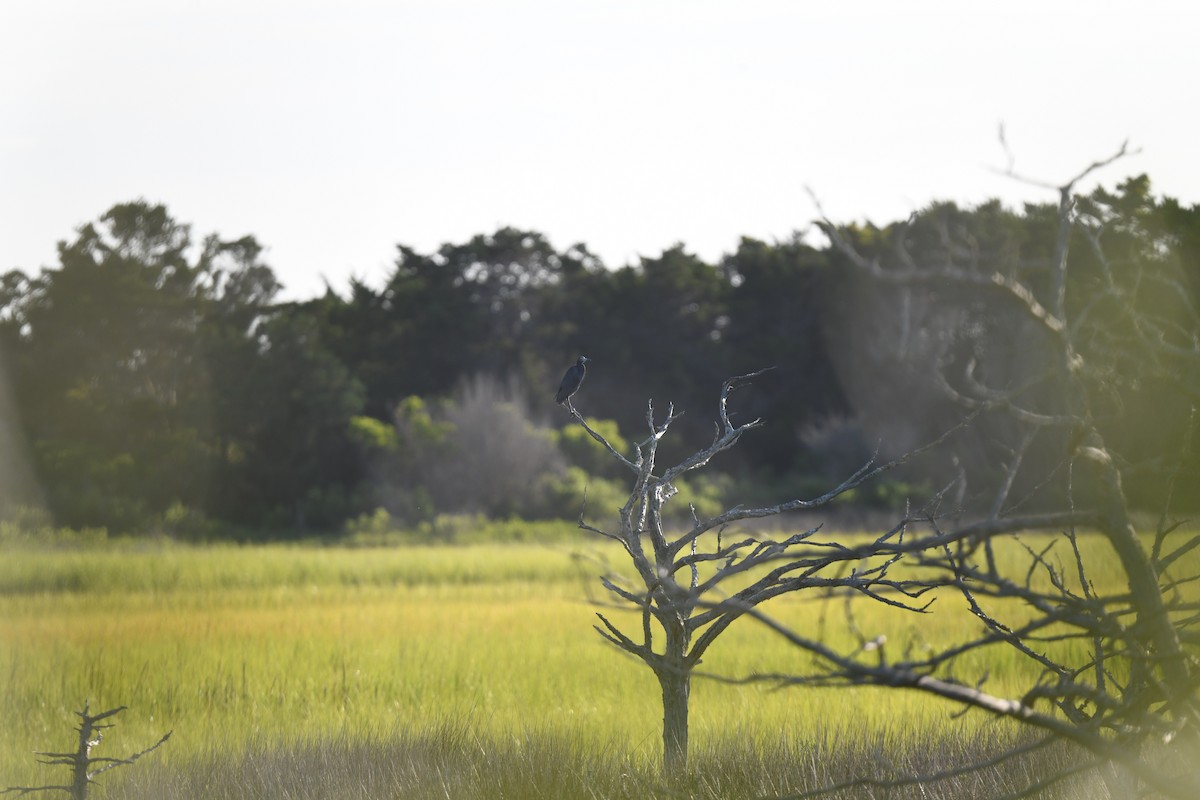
[{"x": 571, "y": 381}]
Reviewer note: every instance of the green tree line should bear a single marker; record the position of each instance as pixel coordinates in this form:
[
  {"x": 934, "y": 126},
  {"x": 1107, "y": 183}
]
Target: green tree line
[{"x": 155, "y": 380}]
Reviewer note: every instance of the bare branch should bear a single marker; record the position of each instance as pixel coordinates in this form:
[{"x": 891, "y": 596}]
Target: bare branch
[
  {"x": 1114, "y": 669},
  {"x": 678, "y": 622},
  {"x": 118, "y": 762},
  {"x": 631, "y": 465},
  {"x": 922, "y": 780},
  {"x": 935, "y": 275},
  {"x": 848, "y": 671},
  {"x": 90, "y": 734},
  {"x": 1122, "y": 152},
  {"x": 24, "y": 790}
]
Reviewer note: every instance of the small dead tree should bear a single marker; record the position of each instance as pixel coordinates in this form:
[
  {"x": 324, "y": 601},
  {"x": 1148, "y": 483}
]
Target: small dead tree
[
  {"x": 83, "y": 765},
  {"x": 1119, "y": 672},
  {"x": 680, "y": 576}
]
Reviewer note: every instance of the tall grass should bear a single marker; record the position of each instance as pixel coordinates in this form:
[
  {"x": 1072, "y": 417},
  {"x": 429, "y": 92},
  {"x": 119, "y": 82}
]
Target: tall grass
[
  {"x": 271, "y": 660},
  {"x": 453, "y": 760}
]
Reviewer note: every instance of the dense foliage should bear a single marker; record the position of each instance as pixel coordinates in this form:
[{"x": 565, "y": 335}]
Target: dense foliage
[{"x": 155, "y": 381}]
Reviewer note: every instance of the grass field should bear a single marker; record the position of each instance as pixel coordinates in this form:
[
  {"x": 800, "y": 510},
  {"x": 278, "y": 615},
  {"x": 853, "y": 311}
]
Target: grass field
[{"x": 448, "y": 667}]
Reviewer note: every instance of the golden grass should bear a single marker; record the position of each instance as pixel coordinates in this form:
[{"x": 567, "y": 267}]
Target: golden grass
[{"x": 238, "y": 646}]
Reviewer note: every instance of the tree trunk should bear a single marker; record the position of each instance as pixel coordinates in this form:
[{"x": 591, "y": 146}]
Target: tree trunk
[
  {"x": 80, "y": 763},
  {"x": 676, "y": 688},
  {"x": 1140, "y": 573}
]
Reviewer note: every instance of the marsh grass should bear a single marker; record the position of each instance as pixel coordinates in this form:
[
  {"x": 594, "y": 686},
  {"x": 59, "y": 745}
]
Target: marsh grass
[
  {"x": 451, "y": 759},
  {"x": 431, "y": 671}
]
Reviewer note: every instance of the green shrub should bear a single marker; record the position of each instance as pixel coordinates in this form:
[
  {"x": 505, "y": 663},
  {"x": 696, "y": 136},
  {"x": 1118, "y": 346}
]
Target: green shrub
[
  {"x": 575, "y": 491},
  {"x": 28, "y": 526},
  {"x": 585, "y": 452}
]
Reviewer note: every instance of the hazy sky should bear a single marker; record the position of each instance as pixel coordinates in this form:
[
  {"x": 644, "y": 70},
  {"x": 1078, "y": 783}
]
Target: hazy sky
[{"x": 333, "y": 130}]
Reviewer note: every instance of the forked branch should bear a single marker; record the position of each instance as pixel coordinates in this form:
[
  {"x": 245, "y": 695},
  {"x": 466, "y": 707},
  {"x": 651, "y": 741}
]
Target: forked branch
[{"x": 83, "y": 765}]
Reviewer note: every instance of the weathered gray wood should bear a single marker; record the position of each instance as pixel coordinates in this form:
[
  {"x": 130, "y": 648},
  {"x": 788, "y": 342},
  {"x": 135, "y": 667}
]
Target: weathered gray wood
[
  {"x": 81, "y": 762},
  {"x": 679, "y": 619}
]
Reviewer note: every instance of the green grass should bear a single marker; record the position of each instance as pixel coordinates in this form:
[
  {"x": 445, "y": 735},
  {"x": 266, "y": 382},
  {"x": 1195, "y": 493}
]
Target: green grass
[{"x": 261, "y": 654}]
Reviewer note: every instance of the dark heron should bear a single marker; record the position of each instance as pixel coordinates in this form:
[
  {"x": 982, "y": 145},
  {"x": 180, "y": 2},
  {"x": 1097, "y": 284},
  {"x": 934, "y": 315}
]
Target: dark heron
[{"x": 571, "y": 381}]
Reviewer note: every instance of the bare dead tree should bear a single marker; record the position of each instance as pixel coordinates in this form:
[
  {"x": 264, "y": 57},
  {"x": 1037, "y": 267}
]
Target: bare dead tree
[
  {"x": 1119, "y": 672},
  {"x": 679, "y": 576},
  {"x": 83, "y": 765}
]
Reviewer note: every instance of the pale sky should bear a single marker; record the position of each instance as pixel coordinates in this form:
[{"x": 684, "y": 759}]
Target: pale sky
[{"x": 333, "y": 130}]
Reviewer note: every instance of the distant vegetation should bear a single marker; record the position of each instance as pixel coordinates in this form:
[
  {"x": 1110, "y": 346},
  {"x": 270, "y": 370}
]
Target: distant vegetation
[{"x": 151, "y": 382}]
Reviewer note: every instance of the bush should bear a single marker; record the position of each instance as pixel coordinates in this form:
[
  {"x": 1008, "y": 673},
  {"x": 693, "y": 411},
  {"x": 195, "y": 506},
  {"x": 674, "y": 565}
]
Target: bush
[
  {"x": 380, "y": 529},
  {"x": 28, "y": 526},
  {"x": 585, "y": 452},
  {"x": 477, "y": 453},
  {"x": 575, "y": 491},
  {"x": 186, "y": 524}
]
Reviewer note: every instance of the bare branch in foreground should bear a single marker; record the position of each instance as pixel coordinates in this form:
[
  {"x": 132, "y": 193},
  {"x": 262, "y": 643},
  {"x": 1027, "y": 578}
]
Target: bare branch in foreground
[
  {"x": 81, "y": 761},
  {"x": 1117, "y": 669}
]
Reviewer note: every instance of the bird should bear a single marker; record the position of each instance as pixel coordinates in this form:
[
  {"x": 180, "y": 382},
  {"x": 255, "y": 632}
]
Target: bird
[{"x": 571, "y": 381}]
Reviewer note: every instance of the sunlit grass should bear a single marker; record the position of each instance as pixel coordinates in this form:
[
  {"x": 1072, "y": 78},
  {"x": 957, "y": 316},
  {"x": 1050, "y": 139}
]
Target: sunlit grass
[{"x": 238, "y": 646}]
